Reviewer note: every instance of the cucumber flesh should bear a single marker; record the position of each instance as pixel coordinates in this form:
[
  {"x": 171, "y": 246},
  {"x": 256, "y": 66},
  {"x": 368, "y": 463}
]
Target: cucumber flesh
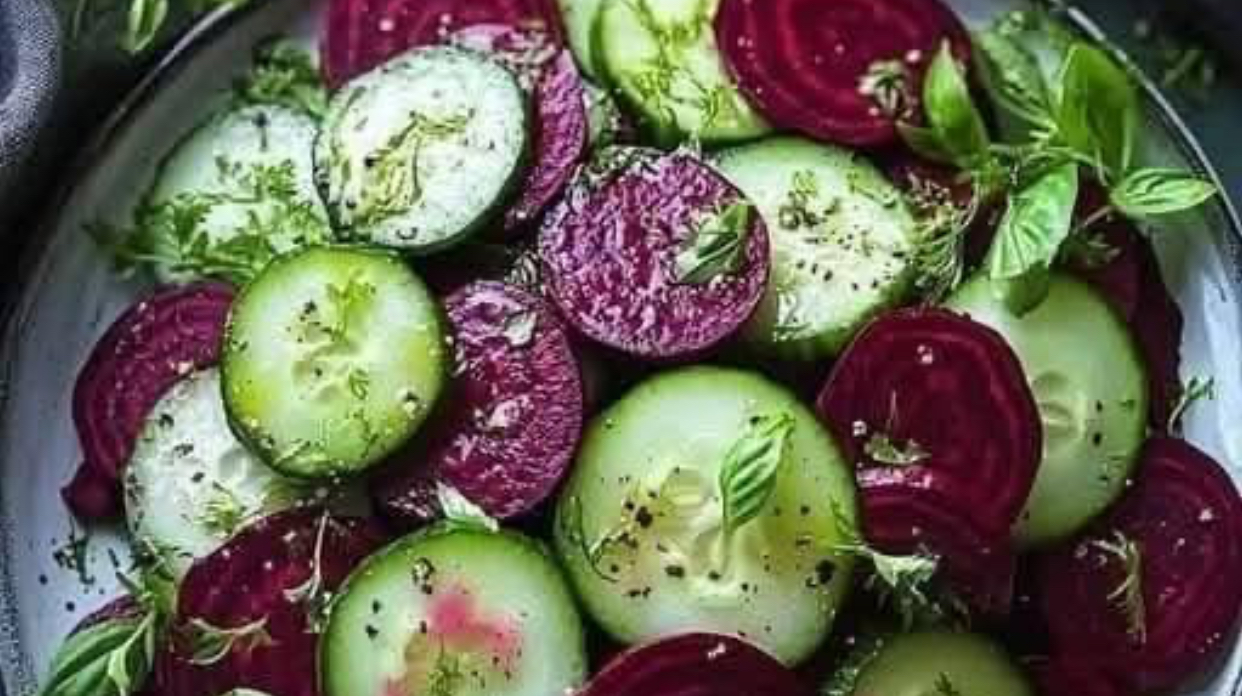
[
  {"x": 1093, "y": 410},
  {"x": 640, "y": 529},
  {"x": 190, "y": 483},
  {"x": 662, "y": 56},
  {"x": 940, "y": 662},
  {"x": 250, "y": 170},
  {"x": 580, "y": 17},
  {"x": 424, "y": 150},
  {"x": 842, "y": 243},
  {"x": 454, "y": 611},
  {"x": 332, "y": 359}
]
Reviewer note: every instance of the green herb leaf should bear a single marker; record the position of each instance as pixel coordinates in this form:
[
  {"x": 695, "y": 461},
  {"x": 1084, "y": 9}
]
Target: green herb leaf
[
  {"x": 1037, "y": 222},
  {"x": 1013, "y": 77},
  {"x": 925, "y": 142},
  {"x": 1128, "y": 595},
  {"x": 209, "y": 644},
  {"x": 1097, "y": 110},
  {"x": 284, "y": 75},
  {"x": 112, "y": 658},
  {"x": 143, "y": 22},
  {"x": 1147, "y": 192},
  {"x": 882, "y": 448},
  {"x": 460, "y": 511},
  {"x": 1196, "y": 389},
  {"x": 750, "y": 469},
  {"x": 716, "y": 247},
  {"x": 951, "y": 111},
  {"x": 392, "y": 183}
]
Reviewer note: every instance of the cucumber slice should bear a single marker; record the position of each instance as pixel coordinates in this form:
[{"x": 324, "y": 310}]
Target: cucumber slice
[
  {"x": 943, "y": 664},
  {"x": 332, "y": 359},
  {"x": 662, "y": 56},
  {"x": 640, "y": 524},
  {"x": 580, "y": 17},
  {"x": 454, "y": 611},
  {"x": 842, "y": 243},
  {"x": 1091, "y": 388},
  {"x": 424, "y": 150},
  {"x": 248, "y": 178},
  {"x": 190, "y": 484}
]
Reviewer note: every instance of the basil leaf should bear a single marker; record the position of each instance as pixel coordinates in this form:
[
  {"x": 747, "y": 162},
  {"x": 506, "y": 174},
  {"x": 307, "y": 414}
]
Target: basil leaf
[
  {"x": 1036, "y": 224},
  {"x": 1012, "y": 77},
  {"x": 950, "y": 110},
  {"x": 748, "y": 475},
  {"x": 716, "y": 247},
  {"x": 925, "y": 143},
  {"x": 112, "y": 658},
  {"x": 460, "y": 511},
  {"x": 1147, "y": 192},
  {"x": 142, "y": 23},
  {"x": 1097, "y": 110}
]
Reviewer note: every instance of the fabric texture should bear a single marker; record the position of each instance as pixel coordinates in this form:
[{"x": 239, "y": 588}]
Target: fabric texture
[{"x": 30, "y": 53}]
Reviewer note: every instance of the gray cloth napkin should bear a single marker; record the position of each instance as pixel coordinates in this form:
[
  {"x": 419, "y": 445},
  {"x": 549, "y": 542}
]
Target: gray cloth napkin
[{"x": 30, "y": 56}]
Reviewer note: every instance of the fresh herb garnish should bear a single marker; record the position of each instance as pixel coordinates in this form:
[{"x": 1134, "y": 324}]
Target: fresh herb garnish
[
  {"x": 1191, "y": 392},
  {"x": 209, "y": 644},
  {"x": 749, "y": 473},
  {"x": 902, "y": 582},
  {"x": 459, "y": 511},
  {"x": 887, "y": 83},
  {"x": 945, "y": 686},
  {"x": 1146, "y": 193},
  {"x": 312, "y": 594},
  {"x": 223, "y": 512},
  {"x": 1128, "y": 595},
  {"x": 283, "y": 75},
  {"x": 882, "y": 448},
  {"x": 955, "y": 133},
  {"x": 717, "y": 245},
  {"x": 143, "y": 19}
]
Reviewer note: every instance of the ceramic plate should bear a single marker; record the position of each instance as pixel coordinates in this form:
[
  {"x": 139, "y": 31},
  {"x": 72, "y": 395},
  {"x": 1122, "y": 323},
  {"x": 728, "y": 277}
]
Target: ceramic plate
[{"x": 67, "y": 295}]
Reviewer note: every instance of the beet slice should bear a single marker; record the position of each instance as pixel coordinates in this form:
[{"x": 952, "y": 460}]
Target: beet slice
[
  {"x": 150, "y": 347},
  {"x": 1063, "y": 676},
  {"x": 807, "y": 64},
  {"x": 695, "y": 664},
  {"x": 609, "y": 254},
  {"x": 264, "y": 572},
  {"x": 1184, "y": 516},
  {"x": 362, "y": 34},
  {"x": 925, "y": 394},
  {"x": 547, "y": 70},
  {"x": 510, "y": 430}
]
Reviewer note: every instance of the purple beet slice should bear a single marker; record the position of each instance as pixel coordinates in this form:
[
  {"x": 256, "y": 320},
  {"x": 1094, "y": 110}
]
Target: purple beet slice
[
  {"x": 510, "y": 429},
  {"x": 361, "y": 34},
  {"x": 278, "y": 570},
  {"x": 547, "y": 70},
  {"x": 695, "y": 664},
  {"x": 1062, "y": 676},
  {"x": 1151, "y": 594},
  {"x": 925, "y": 394},
  {"x": 150, "y": 347},
  {"x": 844, "y": 71},
  {"x": 610, "y": 256}
]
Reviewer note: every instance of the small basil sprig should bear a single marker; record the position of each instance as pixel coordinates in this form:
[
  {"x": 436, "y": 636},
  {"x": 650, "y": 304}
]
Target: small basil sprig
[
  {"x": 717, "y": 245},
  {"x": 750, "y": 469},
  {"x": 1145, "y": 193},
  {"x": 956, "y": 133},
  {"x": 145, "y": 18},
  {"x": 1037, "y": 222}
]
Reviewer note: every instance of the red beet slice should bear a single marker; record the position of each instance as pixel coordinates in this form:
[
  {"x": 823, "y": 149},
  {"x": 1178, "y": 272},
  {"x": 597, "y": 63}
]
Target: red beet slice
[
  {"x": 149, "y": 348},
  {"x": 265, "y": 571},
  {"x": 509, "y": 433},
  {"x": 609, "y": 254},
  {"x": 548, "y": 71},
  {"x": 362, "y": 34},
  {"x": 695, "y": 664},
  {"x": 1184, "y": 516},
  {"x": 1063, "y": 676},
  {"x": 806, "y": 64},
  {"x": 925, "y": 394}
]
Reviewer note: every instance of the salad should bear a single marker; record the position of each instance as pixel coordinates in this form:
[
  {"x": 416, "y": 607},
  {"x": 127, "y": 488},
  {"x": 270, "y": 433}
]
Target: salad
[{"x": 652, "y": 348}]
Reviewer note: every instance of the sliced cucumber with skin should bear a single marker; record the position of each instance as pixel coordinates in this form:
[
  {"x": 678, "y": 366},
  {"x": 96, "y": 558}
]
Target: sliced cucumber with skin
[
  {"x": 580, "y": 17},
  {"x": 454, "y": 611},
  {"x": 190, "y": 483},
  {"x": 1091, "y": 387},
  {"x": 662, "y": 57},
  {"x": 332, "y": 359},
  {"x": 250, "y": 170},
  {"x": 640, "y": 525},
  {"x": 424, "y": 150},
  {"x": 842, "y": 241},
  {"x": 943, "y": 664}
]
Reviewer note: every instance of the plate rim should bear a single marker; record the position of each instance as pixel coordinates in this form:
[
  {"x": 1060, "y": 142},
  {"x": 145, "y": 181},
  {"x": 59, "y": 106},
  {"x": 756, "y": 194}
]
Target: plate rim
[{"x": 15, "y": 674}]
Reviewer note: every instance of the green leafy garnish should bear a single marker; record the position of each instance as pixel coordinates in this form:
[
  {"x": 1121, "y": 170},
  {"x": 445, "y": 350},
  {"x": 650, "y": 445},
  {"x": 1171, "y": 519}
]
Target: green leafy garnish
[
  {"x": 223, "y": 512},
  {"x": 1191, "y": 392},
  {"x": 284, "y": 75},
  {"x": 902, "y": 582},
  {"x": 142, "y": 23},
  {"x": 459, "y": 511},
  {"x": 311, "y": 593},
  {"x": 1128, "y": 595},
  {"x": 1013, "y": 78},
  {"x": 209, "y": 644},
  {"x": 1097, "y": 110},
  {"x": 391, "y": 179},
  {"x": 717, "y": 245},
  {"x": 882, "y": 448},
  {"x": 749, "y": 473},
  {"x": 956, "y": 133},
  {"x": 1145, "y": 193},
  {"x": 887, "y": 83},
  {"x": 1037, "y": 221},
  {"x": 945, "y": 686}
]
